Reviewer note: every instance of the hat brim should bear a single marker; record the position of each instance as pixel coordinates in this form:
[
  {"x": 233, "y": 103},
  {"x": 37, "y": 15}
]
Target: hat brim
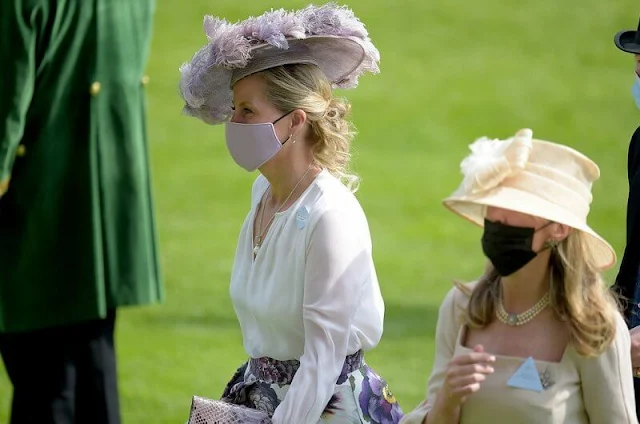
[
  {"x": 337, "y": 57},
  {"x": 626, "y": 41},
  {"x": 473, "y": 208}
]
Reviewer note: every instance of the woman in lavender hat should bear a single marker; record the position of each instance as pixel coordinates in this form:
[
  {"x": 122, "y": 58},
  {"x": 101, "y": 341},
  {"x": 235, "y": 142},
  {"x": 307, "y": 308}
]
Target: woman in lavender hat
[{"x": 303, "y": 284}]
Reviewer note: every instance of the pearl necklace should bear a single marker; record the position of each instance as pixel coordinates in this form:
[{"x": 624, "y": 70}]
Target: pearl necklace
[
  {"x": 524, "y": 317},
  {"x": 260, "y": 237}
]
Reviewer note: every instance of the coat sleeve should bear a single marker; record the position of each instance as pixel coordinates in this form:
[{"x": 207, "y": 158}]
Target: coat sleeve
[
  {"x": 607, "y": 382},
  {"x": 447, "y": 330},
  {"x": 628, "y": 272},
  {"x": 17, "y": 78}
]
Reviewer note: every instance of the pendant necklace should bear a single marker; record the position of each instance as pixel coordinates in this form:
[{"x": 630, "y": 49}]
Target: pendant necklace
[{"x": 260, "y": 237}]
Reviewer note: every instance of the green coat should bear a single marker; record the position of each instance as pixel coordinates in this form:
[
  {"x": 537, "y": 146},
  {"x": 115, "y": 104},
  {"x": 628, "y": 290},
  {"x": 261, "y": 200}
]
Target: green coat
[{"x": 77, "y": 230}]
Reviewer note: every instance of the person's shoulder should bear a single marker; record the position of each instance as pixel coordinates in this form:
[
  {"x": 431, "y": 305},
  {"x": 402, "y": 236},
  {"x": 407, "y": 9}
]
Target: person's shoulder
[
  {"x": 258, "y": 188},
  {"x": 634, "y": 153},
  {"x": 452, "y": 313},
  {"x": 457, "y": 298},
  {"x": 620, "y": 343},
  {"x": 332, "y": 186},
  {"x": 622, "y": 329},
  {"x": 330, "y": 194},
  {"x": 329, "y": 201}
]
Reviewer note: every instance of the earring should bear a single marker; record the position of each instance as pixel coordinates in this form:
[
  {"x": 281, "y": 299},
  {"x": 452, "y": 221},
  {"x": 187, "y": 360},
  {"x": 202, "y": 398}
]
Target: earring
[
  {"x": 552, "y": 244},
  {"x": 293, "y": 139}
]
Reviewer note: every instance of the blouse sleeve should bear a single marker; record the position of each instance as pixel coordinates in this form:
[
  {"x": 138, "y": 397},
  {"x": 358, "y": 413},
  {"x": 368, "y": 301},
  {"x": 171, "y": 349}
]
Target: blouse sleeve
[
  {"x": 447, "y": 330},
  {"x": 607, "y": 382},
  {"x": 338, "y": 266}
]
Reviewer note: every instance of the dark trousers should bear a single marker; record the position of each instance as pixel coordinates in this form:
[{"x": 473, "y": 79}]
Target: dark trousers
[{"x": 63, "y": 375}]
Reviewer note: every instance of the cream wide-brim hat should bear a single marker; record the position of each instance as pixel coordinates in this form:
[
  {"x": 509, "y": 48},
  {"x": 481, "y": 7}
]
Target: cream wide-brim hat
[{"x": 534, "y": 177}]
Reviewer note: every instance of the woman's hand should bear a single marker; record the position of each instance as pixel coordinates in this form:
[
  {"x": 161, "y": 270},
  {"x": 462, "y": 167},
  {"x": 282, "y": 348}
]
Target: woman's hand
[{"x": 465, "y": 375}]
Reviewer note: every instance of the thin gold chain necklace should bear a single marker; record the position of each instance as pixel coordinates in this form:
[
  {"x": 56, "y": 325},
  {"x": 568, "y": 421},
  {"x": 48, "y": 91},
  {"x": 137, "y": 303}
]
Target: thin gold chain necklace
[{"x": 260, "y": 237}]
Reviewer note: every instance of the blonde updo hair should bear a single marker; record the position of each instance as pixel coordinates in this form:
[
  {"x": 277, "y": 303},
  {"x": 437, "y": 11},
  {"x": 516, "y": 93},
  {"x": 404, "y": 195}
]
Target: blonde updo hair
[
  {"x": 579, "y": 297},
  {"x": 305, "y": 87}
]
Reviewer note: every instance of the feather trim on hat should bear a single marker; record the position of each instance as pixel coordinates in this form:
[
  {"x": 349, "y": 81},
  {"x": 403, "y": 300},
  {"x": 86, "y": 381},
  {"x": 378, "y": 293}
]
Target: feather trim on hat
[
  {"x": 205, "y": 82},
  {"x": 491, "y": 161}
]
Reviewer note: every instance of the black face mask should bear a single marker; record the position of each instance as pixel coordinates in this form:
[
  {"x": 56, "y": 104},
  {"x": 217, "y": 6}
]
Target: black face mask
[{"x": 508, "y": 248}]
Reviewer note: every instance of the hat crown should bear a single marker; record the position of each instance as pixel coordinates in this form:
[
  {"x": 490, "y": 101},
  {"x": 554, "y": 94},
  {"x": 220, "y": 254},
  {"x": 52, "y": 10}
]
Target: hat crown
[{"x": 550, "y": 171}]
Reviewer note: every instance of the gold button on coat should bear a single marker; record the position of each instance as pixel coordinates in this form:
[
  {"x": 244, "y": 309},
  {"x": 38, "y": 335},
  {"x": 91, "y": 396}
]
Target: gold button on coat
[
  {"x": 4, "y": 186},
  {"x": 145, "y": 80},
  {"x": 21, "y": 150},
  {"x": 95, "y": 88}
]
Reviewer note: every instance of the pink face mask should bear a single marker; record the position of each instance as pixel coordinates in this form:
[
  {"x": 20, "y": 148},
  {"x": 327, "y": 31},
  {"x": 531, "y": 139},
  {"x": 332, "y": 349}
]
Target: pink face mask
[{"x": 252, "y": 145}]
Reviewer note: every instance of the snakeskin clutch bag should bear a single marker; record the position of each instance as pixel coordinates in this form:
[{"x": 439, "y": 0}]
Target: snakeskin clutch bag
[{"x": 208, "y": 411}]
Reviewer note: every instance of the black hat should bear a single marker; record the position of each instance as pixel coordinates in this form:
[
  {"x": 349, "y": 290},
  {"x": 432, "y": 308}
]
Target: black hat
[{"x": 628, "y": 41}]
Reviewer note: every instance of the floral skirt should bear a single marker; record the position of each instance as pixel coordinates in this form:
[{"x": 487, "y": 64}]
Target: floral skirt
[{"x": 360, "y": 395}]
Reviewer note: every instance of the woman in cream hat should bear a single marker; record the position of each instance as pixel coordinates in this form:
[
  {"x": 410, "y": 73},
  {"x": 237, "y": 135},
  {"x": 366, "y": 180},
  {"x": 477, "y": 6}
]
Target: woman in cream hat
[
  {"x": 303, "y": 283},
  {"x": 539, "y": 337}
]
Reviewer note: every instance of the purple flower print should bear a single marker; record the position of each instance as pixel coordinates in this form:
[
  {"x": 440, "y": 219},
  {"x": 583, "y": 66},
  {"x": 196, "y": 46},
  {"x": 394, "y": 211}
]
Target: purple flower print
[{"x": 378, "y": 404}]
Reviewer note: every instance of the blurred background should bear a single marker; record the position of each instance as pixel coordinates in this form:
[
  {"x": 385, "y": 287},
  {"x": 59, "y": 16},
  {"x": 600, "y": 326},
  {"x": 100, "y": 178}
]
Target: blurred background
[{"x": 450, "y": 73}]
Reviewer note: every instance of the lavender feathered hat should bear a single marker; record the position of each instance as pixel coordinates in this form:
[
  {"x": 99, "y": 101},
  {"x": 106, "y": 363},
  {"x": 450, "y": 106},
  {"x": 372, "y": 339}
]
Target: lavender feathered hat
[{"x": 328, "y": 36}]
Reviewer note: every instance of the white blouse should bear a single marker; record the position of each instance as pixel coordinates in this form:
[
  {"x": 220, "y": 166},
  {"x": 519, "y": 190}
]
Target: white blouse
[{"x": 311, "y": 293}]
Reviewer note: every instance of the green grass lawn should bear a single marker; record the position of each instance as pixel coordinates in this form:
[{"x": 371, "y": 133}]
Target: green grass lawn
[{"x": 451, "y": 72}]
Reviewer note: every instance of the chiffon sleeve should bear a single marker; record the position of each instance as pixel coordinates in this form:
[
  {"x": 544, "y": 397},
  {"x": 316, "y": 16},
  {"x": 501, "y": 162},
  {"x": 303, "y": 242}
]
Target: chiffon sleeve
[{"x": 338, "y": 266}]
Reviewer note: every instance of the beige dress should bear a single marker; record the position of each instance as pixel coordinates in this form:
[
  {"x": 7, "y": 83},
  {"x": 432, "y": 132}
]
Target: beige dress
[{"x": 577, "y": 390}]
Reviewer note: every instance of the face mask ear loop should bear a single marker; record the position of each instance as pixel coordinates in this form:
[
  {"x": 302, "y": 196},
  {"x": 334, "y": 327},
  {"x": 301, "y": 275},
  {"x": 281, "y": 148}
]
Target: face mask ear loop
[
  {"x": 545, "y": 226},
  {"x": 274, "y": 122},
  {"x": 290, "y": 135},
  {"x": 289, "y": 138}
]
